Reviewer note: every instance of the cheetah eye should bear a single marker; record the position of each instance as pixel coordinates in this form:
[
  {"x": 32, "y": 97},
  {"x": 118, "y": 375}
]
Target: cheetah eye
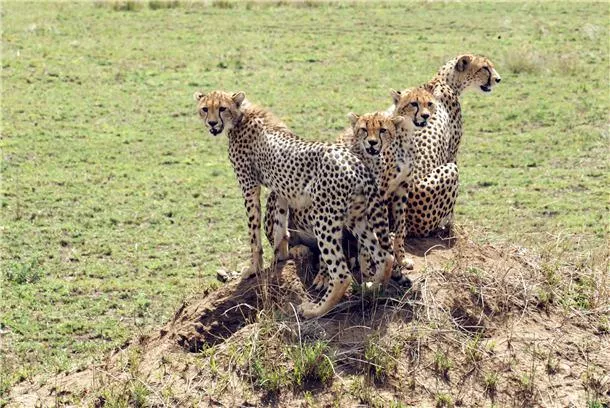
[
  {"x": 430, "y": 104},
  {"x": 414, "y": 104},
  {"x": 382, "y": 130},
  {"x": 204, "y": 110},
  {"x": 222, "y": 109}
]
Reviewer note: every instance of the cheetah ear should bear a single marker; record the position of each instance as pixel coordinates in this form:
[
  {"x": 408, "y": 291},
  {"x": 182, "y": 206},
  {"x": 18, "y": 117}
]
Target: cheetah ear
[
  {"x": 395, "y": 96},
  {"x": 353, "y": 118},
  {"x": 463, "y": 63},
  {"x": 238, "y": 98},
  {"x": 198, "y": 95},
  {"x": 398, "y": 120}
]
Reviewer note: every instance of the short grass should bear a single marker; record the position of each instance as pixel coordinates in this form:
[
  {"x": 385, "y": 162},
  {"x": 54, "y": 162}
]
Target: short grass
[{"x": 116, "y": 205}]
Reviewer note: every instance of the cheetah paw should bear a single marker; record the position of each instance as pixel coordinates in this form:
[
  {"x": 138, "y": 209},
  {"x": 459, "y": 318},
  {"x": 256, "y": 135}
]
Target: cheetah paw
[
  {"x": 321, "y": 281},
  {"x": 308, "y": 310}
]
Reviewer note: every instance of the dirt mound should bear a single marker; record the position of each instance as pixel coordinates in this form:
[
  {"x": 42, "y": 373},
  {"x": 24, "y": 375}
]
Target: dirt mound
[{"x": 478, "y": 325}]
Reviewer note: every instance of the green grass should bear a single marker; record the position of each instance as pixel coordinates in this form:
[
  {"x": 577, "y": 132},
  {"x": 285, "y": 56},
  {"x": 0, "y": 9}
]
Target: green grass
[
  {"x": 116, "y": 204},
  {"x": 299, "y": 367},
  {"x": 380, "y": 361}
]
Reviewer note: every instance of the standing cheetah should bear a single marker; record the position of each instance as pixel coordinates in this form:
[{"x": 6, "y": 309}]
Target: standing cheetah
[
  {"x": 367, "y": 147},
  {"x": 328, "y": 181},
  {"x": 383, "y": 142},
  {"x": 433, "y": 193}
]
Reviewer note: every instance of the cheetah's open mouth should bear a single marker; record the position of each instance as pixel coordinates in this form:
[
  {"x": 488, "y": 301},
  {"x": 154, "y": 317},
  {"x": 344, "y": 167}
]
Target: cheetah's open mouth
[
  {"x": 215, "y": 131},
  {"x": 487, "y": 86},
  {"x": 421, "y": 124},
  {"x": 372, "y": 151}
]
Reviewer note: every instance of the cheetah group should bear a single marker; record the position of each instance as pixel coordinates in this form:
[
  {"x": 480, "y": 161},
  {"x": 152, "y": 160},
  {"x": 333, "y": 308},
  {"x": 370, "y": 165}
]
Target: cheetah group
[{"x": 391, "y": 174}]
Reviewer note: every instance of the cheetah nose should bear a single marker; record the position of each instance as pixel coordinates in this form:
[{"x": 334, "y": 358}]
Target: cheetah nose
[
  {"x": 212, "y": 123},
  {"x": 425, "y": 115},
  {"x": 498, "y": 80},
  {"x": 373, "y": 142}
]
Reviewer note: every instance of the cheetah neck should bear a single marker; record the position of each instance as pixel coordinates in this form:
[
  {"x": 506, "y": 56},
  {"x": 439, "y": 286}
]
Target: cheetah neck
[
  {"x": 397, "y": 168},
  {"x": 372, "y": 162},
  {"x": 403, "y": 153},
  {"x": 446, "y": 75},
  {"x": 447, "y": 89},
  {"x": 255, "y": 121}
]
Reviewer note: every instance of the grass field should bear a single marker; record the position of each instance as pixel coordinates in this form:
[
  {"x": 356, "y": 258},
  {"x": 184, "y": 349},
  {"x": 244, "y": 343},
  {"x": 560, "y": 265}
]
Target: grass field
[{"x": 116, "y": 205}]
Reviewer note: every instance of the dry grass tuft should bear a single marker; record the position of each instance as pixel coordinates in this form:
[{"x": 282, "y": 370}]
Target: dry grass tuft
[
  {"x": 524, "y": 60},
  {"x": 163, "y": 4},
  {"x": 121, "y": 5}
]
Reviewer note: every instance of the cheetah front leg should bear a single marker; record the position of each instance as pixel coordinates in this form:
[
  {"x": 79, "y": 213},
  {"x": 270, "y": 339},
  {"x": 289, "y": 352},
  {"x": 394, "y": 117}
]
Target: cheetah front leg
[
  {"x": 355, "y": 225},
  {"x": 329, "y": 234},
  {"x": 276, "y": 225},
  {"x": 451, "y": 183},
  {"x": 322, "y": 278},
  {"x": 280, "y": 230},
  {"x": 379, "y": 247},
  {"x": 253, "y": 208},
  {"x": 269, "y": 218},
  {"x": 399, "y": 215},
  {"x": 371, "y": 250}
]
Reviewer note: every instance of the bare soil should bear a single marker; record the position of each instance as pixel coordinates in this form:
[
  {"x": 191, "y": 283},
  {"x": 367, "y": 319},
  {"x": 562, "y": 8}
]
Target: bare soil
[{"x": 477, "y": 326}]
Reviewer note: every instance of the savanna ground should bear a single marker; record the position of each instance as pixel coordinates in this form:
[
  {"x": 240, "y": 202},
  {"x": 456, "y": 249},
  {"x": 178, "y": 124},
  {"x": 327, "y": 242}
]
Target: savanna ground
[{"x": 117, "y": 206}]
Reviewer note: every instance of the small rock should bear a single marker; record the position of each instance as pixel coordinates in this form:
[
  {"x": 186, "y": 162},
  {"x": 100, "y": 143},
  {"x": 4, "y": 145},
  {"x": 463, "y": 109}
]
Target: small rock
[
  {"x": 408, "y": 263},
  {"x": 223, "y": 275},
  {"x": 564, "y": 368},
  {"x": 370, "y": 287}
]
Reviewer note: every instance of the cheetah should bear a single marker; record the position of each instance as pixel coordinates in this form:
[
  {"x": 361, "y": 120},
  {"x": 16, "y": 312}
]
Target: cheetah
[
  {"x": 462, "y": 73},
  {"x": 383, "y": 143},
  {"x": 367, "y": 148},
  {"x": 432, "y": 191},
  {"x": 432, "y": 196},
  {"x": 328, "y": 181}
]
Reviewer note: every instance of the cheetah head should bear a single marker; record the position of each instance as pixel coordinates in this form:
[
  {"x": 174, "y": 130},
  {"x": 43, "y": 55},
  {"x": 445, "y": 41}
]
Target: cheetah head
[
  {"x": 219, "y": 110},
  {"x": 374, "y": 130},
  {"x": 416, "y": 104},
  {"x": 476, "y": 72}
]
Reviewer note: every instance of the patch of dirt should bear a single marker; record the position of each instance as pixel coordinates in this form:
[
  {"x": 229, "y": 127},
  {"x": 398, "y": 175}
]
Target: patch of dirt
[{"x": 474, "y": 328}]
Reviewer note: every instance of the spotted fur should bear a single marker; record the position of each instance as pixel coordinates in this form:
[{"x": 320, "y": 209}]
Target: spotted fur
[
  {"x": 462, "y": 73},
  {"x": 327, "y": 181},
  {"x": 383, "y": 143},
  {"x": 433, "y": 193}
]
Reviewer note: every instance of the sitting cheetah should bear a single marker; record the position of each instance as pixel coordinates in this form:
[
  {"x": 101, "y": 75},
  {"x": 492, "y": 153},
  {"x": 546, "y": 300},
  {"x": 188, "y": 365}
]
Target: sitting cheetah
[
  {"x": 457, "y": 75},
  {"x": 329, "y": 182},
  {"x": 384, "y": 144},
  {"x": 433, "y": 194}
]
